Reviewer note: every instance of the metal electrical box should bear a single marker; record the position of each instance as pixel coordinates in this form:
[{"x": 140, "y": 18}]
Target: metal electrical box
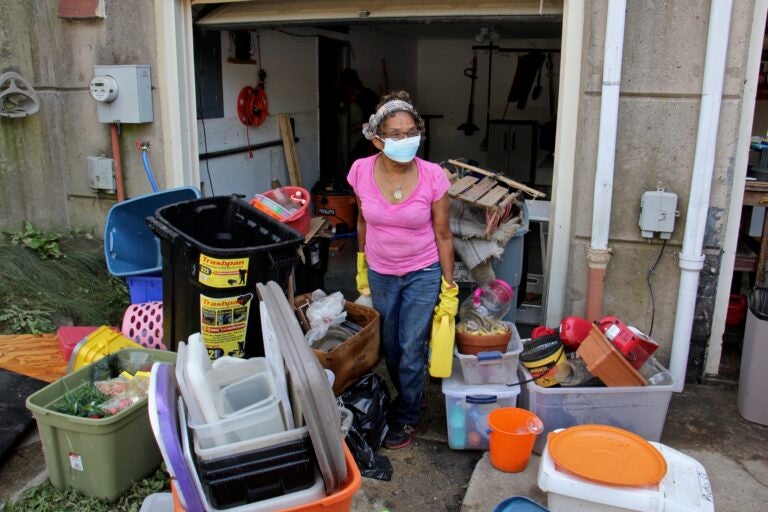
[
  {"x": 123, "y": 93},
  {"x": 101, "y": 173},
  {"x": 658, "y": 210}
]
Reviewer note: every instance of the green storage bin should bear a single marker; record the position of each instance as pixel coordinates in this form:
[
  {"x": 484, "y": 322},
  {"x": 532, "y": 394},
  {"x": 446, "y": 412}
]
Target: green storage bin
[{"x": 98, "y": 457}]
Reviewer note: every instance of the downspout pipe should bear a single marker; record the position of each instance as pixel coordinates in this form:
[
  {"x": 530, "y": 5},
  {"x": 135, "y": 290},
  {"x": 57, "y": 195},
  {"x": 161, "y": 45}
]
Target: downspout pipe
[
  {"x": 691, "y": 257},
  {"x": 598, "y": 252}
]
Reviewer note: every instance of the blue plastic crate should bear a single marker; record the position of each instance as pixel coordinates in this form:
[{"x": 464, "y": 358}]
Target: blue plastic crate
[
  {"x": 130, "y": 248},
  {"x": 145, "y": 288}
]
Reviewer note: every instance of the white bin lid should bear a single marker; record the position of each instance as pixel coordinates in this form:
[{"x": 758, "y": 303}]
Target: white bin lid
[
  {"x": 685, "y": 487},
  {"x": 455, "y": 387}
]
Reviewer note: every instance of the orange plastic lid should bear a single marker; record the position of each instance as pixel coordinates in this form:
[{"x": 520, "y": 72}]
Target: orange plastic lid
[{"x": 607, "y": 455}]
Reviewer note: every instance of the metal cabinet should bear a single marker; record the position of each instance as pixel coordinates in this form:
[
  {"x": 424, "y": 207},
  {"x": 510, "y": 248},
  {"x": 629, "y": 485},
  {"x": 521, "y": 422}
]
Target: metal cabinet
[{"x": 512, "y": 148}]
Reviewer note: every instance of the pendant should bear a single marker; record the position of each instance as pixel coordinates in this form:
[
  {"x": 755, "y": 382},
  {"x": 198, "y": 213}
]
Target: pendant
[{"x": 397, "y": 194}]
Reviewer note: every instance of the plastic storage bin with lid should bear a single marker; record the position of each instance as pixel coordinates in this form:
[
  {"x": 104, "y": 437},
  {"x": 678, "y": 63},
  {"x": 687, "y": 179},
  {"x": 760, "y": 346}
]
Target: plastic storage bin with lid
[
  {"x": 467, "y": 408},
  {"x": 639, "y": 409},
  {"x": 492, "y": 367},
  {"x": 604, "y": 469},
  {"x": 98, "y": 457}
]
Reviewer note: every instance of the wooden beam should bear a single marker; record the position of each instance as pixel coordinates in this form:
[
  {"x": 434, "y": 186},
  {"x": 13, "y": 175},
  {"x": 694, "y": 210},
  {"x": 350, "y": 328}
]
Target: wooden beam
[
  {"x": 512, "y": 183},
  {"x": 294, "y": 176}
]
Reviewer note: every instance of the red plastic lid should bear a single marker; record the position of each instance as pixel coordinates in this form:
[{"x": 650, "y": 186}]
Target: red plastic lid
[{"x": 607, "y": 455}]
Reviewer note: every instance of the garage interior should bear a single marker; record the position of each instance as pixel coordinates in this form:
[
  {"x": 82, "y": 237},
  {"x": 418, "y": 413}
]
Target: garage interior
[{"x": 486, "y": 86}]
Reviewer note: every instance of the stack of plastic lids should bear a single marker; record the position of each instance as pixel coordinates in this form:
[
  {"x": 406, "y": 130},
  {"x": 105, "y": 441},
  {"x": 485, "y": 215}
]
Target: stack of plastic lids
[{"x": 314, "y": 396}]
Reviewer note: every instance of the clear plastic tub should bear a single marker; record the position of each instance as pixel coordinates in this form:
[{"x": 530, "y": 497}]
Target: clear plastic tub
[
  {"x": 492, "y": 367},
  {"x": 639, "y": 409},
  {"x": 250, "y": 425},
  {"x": 229, "y": 450},
  {"x": 467, "y": 408}
]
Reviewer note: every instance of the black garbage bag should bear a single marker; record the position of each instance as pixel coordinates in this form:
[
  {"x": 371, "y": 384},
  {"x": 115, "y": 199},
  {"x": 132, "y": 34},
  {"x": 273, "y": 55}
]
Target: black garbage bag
[{"x": 367, "y": 399}]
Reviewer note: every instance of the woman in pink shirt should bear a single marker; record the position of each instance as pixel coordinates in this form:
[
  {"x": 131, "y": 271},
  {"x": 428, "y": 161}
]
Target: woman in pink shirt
[{"x": 405, "y": 258}]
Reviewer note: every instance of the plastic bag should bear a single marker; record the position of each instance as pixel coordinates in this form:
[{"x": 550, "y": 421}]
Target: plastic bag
[
  {"x": 367, "y": 399},
  {"x": 323, "y": 312}
]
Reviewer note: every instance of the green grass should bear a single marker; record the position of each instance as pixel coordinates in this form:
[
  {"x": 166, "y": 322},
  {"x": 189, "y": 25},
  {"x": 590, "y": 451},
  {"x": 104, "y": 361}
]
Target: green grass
[
  {"x": 37, "y": 294},
  {"x": 46, "y": 498}
]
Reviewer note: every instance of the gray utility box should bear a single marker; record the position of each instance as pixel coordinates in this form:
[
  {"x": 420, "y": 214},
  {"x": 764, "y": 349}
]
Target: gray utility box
[{"x": 123, "y": 94}]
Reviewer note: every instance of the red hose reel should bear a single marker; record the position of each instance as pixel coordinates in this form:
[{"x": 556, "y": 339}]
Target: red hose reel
[{"x": 252, "y": 105}]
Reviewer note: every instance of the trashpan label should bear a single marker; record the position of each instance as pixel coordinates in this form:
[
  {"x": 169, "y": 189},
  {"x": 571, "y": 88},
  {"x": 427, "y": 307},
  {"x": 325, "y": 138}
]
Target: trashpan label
[
  {"x": 223, "y": 324},
  {"x": 223, "y": 273}
]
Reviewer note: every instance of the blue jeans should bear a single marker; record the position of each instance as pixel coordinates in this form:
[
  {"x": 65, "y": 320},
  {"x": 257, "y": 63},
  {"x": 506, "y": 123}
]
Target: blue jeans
[{"x": 406, "y": 305}]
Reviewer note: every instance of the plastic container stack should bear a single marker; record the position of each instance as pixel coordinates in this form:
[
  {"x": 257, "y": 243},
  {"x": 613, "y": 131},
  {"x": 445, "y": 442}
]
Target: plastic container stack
[
  {"x": 302, "y": 464},
  {"x": 468, "y": 406}
]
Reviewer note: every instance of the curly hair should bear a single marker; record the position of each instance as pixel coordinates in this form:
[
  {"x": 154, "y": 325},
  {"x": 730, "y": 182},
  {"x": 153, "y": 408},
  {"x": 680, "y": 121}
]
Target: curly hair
[{"x": 402, "y": 96}]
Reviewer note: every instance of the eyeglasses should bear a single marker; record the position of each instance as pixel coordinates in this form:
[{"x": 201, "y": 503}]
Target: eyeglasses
[{"x": 401, "y": 135}]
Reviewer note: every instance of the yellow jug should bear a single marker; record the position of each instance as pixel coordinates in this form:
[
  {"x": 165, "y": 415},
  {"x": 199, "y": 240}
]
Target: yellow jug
[{"x": 441, "y": 346}]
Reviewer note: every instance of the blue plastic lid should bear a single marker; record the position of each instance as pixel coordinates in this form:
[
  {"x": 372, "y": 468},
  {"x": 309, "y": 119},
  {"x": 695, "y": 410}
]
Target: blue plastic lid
[{"x": 519, "y": 504}]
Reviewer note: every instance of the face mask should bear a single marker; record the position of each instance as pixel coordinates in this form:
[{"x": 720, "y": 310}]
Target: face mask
[{"x": 403, "y": 150}]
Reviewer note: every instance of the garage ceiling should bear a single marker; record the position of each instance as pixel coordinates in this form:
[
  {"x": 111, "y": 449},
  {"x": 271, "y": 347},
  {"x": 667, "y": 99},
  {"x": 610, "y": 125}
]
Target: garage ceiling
[{"x": 422, "y": 19}]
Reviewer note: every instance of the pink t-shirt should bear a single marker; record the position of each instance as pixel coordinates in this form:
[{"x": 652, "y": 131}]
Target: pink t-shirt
[{"x": 399, "y": 237}]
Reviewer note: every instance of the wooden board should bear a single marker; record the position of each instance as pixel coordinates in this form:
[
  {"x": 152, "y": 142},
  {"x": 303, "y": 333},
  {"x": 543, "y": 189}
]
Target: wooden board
[
  {"x": 528, "y": 190},
  {"x": 291, "y": 161},
  {"x": 493, "y": 197},
  {"x": 461, "y": 185},
  {"x": 35, "y": 356},
  {"x": 479, "y": 190}
]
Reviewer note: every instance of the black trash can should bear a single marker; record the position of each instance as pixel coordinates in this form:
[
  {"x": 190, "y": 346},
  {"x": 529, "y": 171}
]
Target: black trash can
[
  {"x": 752, "y": 400},
  {"x": 214, "y": 252}
]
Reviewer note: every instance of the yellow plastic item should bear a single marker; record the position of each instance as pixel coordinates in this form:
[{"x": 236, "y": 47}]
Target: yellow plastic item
[
  {"x": 361, "y": 279},
  {"x": 101, "y": 342},
  {"x": 441, "y": 346},
  {"x": 607, "y": 455}
]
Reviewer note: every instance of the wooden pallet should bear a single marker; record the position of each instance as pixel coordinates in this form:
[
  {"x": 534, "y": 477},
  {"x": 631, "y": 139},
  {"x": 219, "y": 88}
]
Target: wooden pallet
[{"x": 495, "y": 194}]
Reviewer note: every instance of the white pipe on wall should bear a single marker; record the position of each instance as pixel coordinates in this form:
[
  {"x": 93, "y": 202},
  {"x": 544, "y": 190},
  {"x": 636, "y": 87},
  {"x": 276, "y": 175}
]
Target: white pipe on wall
[
  {"x": 609, "y": 114},
  {"x": 691, "y": 257}
]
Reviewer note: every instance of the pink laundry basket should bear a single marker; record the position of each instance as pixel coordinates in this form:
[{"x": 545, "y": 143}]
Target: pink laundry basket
[{"x": 143, "y": 323}]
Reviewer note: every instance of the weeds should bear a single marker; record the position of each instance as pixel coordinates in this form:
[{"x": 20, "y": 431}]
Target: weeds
[
  {"x": 24, "y": 319},
  {"x": 46, "y": 498},
  {"x": 45, "y": 245},
  {"x": 39, "y": 295}
]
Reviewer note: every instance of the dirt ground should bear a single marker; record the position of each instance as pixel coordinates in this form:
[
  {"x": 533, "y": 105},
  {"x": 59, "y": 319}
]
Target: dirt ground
[{"x": 428, "y": 475}]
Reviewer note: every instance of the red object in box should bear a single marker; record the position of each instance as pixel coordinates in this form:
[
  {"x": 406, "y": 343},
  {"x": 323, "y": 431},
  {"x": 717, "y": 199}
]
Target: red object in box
[
  {"x": 69, "y": 336},
  {"x": 573, "y": 330},
  {"x": 635, "y": 346},
  {"x": 737, "y": 310},
  {"x": 541, "y": 330}
]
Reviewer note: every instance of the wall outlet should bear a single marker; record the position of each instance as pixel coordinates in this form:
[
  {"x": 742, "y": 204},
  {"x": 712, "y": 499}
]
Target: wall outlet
[{"x": 101, "y": 173}]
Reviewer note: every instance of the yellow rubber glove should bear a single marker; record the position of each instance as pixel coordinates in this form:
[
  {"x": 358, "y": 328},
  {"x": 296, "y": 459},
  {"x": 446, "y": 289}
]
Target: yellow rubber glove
[
  {"x": 362, "y": 275},
  {"x": 448, "y": 304}
]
